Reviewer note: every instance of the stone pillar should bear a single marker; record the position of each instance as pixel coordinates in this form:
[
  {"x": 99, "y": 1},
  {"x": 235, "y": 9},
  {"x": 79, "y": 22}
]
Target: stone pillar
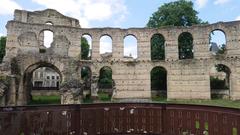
[
  {"x": 21, "y": 99},
  {"x": 117, "y": 48},
  {"x": 94, "y": 86},
  {"x": 95, "y": 48},
  {"x": 12, "y": 91}
]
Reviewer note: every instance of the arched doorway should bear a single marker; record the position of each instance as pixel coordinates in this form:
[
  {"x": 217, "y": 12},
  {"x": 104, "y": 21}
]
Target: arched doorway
[
  {"x": 159, "y": 82},
  {"x": 86, "y": 75},
  {"x": 220, "y": 81},
  {"x": 41, "y": 84},
  {"x": 105, "y": 84}
]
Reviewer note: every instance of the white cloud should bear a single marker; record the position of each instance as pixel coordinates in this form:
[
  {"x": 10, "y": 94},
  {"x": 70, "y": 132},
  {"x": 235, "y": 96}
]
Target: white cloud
[
  {"x": 220, "y": 2},
  {"x": 238, "y": 18},
  {"x": 201, "y": 3},
  {"x": 8, "y": 6},
  {"x": 88, "y": 10}
]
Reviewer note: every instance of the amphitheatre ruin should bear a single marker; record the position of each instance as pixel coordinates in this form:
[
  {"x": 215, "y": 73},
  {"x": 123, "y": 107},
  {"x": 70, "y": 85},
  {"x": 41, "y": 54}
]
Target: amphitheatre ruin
[{"x": 187, "y": 78}]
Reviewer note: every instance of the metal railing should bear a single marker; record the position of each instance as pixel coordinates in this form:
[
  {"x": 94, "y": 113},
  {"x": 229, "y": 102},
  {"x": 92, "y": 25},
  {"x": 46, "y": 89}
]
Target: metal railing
[{"x": 119, "y": 118}]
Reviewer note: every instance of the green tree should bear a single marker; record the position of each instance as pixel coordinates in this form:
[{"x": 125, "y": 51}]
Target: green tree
[
  {"x": 84, "y": 49},
  {"x": 157, "y": 47},
  {"x": 178, "y": 13},
  {"x": 105, "y": 78},
  {"x": 2, "y": 47}
]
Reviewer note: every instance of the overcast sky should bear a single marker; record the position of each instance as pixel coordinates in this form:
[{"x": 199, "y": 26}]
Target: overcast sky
[{"x": 117, "y": 13}]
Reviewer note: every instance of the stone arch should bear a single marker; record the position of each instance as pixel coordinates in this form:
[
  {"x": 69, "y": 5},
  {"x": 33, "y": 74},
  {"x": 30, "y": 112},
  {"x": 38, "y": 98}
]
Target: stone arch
[
  {"x": 86, "y": 77},
  {"x": 185, "y": 46},
  {"x": 220, "y": 75},
  {"x": 157, "y": 47},
  {"x": 217, "y": 43},
  {"x": 42, "y": 37},
  {"x": 88, "y": 38},
  {"x": 105, "y": 82},
  {"x": 158, "y": 76},
  {"x": 27, "y": 77},
  {"x": 49, "y": 23},
  {"x": 130, "y": 41},
  {"x": 105, "y": 40}
]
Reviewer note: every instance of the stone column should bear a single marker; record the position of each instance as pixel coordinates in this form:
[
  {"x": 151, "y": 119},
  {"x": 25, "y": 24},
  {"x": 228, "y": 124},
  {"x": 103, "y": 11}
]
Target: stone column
[
  {"x": 95, "y": 48},
  {"x": 12, "y": 92},
  {"x": 21, "y": 99},
  {"x": 94, "y": 86}
]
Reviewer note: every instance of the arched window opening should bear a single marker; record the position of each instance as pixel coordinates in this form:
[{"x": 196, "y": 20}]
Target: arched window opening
[
  {"x": 44, "y": 88},
  {"x": 217, "y": 42},
  {"x": 86, "y": 47},
  {"x": 105, "y": 83},
  {"x": 185, "y": 46},
  {"x": 159, "y": 83},
  {"x": 86, "y": 77},
  {"x": 47, "y": 38},
  {"x": 220, "y": 81},
  {"x": 49, "y": 23},
  {"x": 130, "y": 47},
  {"x": 105, "y": 45},
  {"x": 157, "y": 47}
]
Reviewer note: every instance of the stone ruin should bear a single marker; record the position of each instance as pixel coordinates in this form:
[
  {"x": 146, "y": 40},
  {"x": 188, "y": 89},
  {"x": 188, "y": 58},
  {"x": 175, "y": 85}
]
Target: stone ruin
[{"x": 186, "y": 78}]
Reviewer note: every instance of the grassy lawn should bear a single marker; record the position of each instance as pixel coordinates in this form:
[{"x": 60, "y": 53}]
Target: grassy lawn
[
  {"x": 37, "y": 100},
  {"x": 213, "y": 102},
  {"x": 104, "y": 96}
]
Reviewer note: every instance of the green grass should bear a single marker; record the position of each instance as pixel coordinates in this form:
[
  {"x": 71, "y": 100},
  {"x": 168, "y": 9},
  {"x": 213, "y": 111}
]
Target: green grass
[
  {"x": 213, "y": 102},
  {"x": 37, "y": 100},
  {"x": 104, "y": 96}
]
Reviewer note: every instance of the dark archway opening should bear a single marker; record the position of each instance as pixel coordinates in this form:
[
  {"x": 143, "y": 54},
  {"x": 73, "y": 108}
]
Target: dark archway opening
[
  {"x": 157, "y": 47},
  {"x": 220, "y": 81},
  {"x": 86, "y": 75},
  {"x": 159, "y": 82},
  {"x": 41, "y": 84},
  {"x": 105, "y": 84},
  {"x": 185, "y": 46}
]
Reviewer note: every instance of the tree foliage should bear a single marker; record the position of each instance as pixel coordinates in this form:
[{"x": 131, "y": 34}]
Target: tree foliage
[
  {"x": 178, "y": 13},
  {"x": 84, "y": 49},
  {"x": 2, "y": 47},
  {"x": 105, "y": 78},
  {"x": 157, "y": 47},
  {"x": 185, "y": 47}
]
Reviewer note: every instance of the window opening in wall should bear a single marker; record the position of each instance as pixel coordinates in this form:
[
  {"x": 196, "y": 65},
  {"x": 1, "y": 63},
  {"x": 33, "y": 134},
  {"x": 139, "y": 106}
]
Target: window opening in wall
[
  {"x": 86, "y": 47},
  {"x": 49, "y": 23},
  {"x": 47, "y": 38},
  {"x": 220, "y": 81},
  {"x": 157, "y": 47},
  {"x": 217, "y": 42},
  {"x": 130, "y": 47},
  {"x": 159, "y": 83},
  {"x": 185, "y": 46},
  {"x": 86, "y": 75},
  {"x": 105, "y": 83},
  {"x": 106, "y": 45}
]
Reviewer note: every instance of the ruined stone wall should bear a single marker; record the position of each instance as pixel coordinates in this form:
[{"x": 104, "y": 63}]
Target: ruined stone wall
[{"x": 186, "y": 79}]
